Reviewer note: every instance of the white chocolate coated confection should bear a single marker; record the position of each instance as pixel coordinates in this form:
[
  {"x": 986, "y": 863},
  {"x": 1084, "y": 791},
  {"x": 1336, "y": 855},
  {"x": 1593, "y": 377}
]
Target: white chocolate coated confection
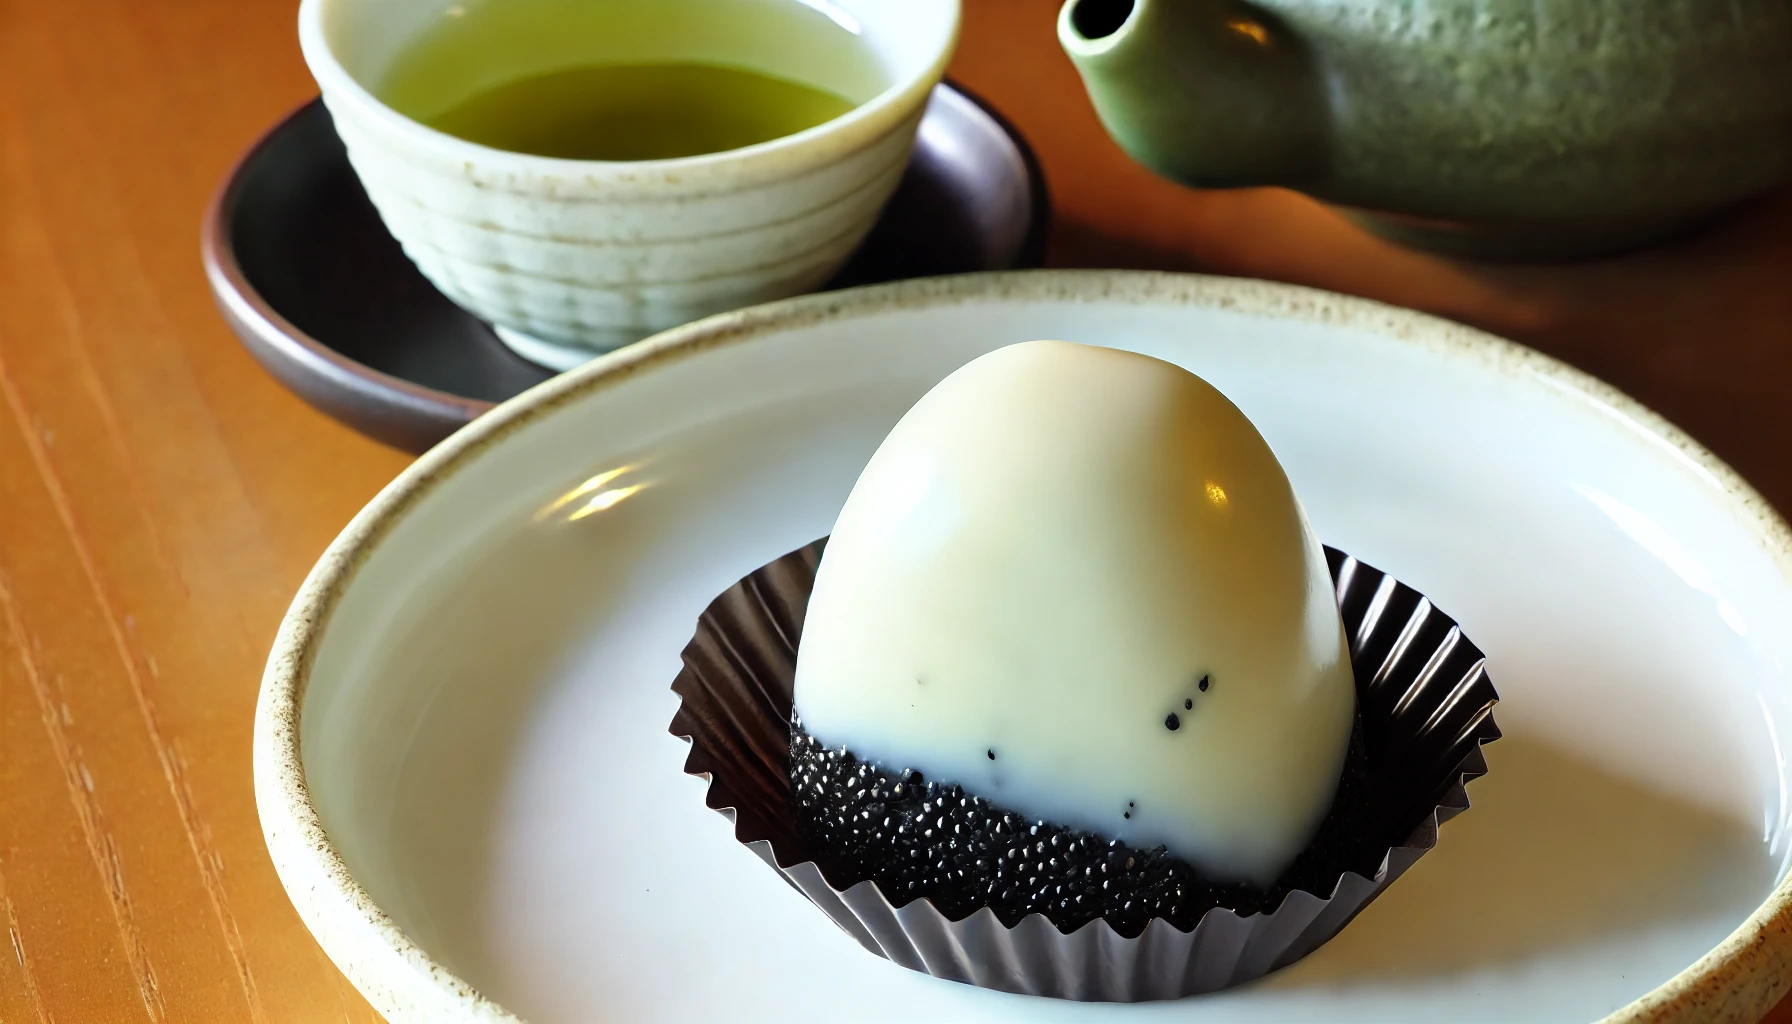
[{"x": 1042, "y": 562}]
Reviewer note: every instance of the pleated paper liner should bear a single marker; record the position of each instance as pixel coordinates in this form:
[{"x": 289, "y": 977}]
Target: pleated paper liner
[{"x": 1426, "y": 706}]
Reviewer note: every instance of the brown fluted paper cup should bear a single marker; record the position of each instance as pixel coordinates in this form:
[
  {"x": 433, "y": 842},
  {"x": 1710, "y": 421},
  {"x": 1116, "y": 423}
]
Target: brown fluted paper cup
[{"x": 1425, "y": 704}]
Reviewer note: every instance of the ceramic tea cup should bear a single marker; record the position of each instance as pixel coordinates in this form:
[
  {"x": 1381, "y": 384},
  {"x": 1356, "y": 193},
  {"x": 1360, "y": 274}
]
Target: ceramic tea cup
[{"x": 568, "y": 258}]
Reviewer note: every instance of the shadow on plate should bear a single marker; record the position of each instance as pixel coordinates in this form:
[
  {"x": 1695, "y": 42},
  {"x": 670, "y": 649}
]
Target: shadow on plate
[{"x": 1554, "y": 853}]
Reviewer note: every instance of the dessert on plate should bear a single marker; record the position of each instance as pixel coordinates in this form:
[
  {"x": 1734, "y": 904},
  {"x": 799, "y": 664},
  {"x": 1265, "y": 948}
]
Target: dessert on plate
[{"x": 1075, "y": 695}]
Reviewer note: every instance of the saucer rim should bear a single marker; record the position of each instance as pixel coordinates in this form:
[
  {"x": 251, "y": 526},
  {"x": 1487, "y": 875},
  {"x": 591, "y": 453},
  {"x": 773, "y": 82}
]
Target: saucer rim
[{"x": 394, "y": 410}]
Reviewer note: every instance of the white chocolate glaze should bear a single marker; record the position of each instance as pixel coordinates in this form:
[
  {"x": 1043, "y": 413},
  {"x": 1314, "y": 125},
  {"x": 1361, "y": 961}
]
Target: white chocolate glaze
[{"x": 1042, "y": 562}]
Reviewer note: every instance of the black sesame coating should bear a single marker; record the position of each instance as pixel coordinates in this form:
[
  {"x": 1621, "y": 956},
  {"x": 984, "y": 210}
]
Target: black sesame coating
[{"x": 920, "y": 838}]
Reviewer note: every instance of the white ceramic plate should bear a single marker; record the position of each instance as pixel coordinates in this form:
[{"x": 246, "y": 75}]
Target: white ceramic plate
[{"x": 492, "y": 819}]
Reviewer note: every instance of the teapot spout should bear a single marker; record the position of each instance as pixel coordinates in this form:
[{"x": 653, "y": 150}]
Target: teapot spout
[{"x": 1210, "y": 93}]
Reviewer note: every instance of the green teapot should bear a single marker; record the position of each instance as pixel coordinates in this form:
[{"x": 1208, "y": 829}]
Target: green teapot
[{"x": 1494, "y": 129}]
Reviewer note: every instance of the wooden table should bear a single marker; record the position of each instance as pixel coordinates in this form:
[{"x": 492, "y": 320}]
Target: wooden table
[{"x": 161, "y": 497}]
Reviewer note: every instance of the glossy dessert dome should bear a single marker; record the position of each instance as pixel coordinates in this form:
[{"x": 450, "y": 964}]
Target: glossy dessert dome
[{"x": 1076, "y": 583}]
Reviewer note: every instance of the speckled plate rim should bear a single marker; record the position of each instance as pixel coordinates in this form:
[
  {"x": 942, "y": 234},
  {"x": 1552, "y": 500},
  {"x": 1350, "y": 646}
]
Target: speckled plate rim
[{"x": 1741, "y": 978}]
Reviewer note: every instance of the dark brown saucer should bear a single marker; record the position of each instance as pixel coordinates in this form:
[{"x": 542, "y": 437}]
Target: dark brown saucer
[{"x": 322, "y": 296}]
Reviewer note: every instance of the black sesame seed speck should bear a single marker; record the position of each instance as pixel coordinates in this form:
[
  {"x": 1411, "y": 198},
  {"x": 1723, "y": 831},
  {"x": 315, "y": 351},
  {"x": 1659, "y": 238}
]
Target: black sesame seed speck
[{"x": 1172, "y": 723}]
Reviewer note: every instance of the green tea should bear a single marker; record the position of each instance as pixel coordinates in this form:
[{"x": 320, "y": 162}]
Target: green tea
[
  {"x": 638, "y": 111},
  {"x": 630, "y": 79}
]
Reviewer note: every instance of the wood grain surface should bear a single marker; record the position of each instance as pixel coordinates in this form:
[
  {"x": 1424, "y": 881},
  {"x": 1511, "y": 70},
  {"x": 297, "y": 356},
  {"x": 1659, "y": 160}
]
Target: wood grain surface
[{"x": 161, "y": 497}]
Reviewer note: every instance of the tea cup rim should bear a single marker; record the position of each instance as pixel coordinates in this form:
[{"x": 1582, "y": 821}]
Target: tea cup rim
[{"x": 865, "y": 121}]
